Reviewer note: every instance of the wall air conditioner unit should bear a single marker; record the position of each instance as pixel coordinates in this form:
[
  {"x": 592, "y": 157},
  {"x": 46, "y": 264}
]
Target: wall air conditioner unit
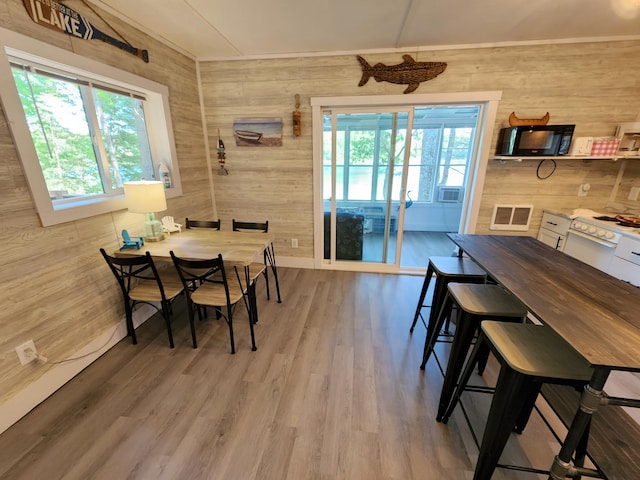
[
  {"x": 450, "y": 194},
  {"x": 511, "y": 217}
]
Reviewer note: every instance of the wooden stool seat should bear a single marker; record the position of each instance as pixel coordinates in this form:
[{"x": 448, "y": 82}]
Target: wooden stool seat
[
  {"x": 529, "y": 355},
  {"x": 486, "y": 299},
  {"x": 536, "y": 351},
  {"x": 446, "y": 270},
  {"x": 474, "y": 303}
]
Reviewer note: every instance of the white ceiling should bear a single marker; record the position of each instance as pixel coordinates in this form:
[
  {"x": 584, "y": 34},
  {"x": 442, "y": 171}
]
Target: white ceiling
[{"x": 221, "y": 29}]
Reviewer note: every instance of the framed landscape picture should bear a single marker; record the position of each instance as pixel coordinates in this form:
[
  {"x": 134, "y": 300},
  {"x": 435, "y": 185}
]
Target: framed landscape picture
[{"x": 258, "y": 132}]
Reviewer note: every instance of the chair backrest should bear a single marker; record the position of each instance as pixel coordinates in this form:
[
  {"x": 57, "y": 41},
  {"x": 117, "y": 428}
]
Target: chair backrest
[
  {"x": 241, "y": 226},
  {"x": 195, "y": 273},
  {"x": 131, "y": 270},
  {"x": 202, "y": 224},
  {"x": 168, "y": 221}
]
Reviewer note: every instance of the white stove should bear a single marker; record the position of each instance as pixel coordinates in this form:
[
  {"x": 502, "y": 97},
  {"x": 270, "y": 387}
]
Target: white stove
[
  {"x": 598, "y": 229},
  {"x": 594, "y": 241}
]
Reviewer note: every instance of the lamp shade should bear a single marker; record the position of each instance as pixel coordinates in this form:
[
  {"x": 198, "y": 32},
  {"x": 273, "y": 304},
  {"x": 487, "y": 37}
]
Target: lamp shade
[{"x": 145, "y": 196}]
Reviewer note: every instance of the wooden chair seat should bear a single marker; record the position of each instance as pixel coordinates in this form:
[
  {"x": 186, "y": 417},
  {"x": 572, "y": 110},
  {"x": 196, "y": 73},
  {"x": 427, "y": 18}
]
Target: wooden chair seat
[
  {"x": 214, "y": 294},
  {"x": 147, "y": 290}
]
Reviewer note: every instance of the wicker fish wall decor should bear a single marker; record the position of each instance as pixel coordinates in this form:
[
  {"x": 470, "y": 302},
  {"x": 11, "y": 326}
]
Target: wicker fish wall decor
[{"x": 409, "y": 72}]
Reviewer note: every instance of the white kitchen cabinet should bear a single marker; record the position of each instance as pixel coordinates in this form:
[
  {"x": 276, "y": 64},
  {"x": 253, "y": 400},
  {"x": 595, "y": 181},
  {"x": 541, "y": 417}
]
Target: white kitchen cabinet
[
  {"x": 553, "y": 229},
  {"x": 625, "y": 264}
]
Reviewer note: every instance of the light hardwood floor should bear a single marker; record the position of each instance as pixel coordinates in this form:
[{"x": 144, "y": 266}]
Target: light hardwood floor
[
  {"x": 417, "y": 247},
  {"x": 333, "y": 392}
]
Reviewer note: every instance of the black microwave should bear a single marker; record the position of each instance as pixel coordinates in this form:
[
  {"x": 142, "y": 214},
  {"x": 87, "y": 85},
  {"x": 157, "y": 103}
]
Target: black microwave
[{"x": 546, "y": 140}]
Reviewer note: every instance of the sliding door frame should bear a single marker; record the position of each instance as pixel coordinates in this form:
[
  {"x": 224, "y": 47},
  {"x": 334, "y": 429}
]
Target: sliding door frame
[{"x": 488, "y": 101}]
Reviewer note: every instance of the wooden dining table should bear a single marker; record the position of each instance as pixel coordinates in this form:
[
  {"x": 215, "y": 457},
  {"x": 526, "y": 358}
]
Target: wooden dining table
[
  {"x": 238, "y": 249},
  {"x": 598, "y": 315},
  {"x": 206, "y": 243}
]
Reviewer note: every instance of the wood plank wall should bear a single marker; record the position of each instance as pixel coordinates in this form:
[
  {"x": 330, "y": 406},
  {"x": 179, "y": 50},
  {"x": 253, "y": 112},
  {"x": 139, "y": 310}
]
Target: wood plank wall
[
  {"x": 56, "y": 288},
  {"x": 592, "y": 85}
]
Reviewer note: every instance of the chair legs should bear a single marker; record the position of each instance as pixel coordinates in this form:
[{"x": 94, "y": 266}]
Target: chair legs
[
  {"x": 231, "y": 338},
  {"x": 433, "y": 329},
  {"x": 503, "y": 413},
  {"x": 423, "y": 294},
  {"x": 131, "y": 331},
  {"x": 166, "y": 313},
  {"x": 165, "y": 310},
  {"x": 464, "y": 380},
  {"x": 253, "y": 313},
  {"x": 465, "y": 331},
  {"x": 270, "y": 262}
]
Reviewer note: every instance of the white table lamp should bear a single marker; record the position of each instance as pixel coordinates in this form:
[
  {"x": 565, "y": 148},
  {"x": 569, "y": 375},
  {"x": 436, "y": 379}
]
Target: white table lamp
[{"x": 147, "y": 197}]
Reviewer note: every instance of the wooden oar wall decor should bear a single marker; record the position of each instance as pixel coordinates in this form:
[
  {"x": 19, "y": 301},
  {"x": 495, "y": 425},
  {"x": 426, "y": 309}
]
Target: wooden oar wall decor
[{"x": 57, "y": 16}]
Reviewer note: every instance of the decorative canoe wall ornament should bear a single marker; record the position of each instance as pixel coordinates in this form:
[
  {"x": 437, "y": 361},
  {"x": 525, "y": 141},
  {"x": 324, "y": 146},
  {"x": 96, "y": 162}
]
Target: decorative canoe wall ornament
[
  {"x": 516, "y": 122},
  {"x": 57, "y": 16},
  {"x": 409, "y": 72}
]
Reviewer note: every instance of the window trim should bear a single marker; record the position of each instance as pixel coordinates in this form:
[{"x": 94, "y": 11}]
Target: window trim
[{"x": 160, "y": 130}]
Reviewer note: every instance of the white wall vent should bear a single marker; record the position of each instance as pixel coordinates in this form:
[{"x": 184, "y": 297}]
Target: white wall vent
[
  {"x": 450, "y": 194},
  {"x": 511, "y": 217}
]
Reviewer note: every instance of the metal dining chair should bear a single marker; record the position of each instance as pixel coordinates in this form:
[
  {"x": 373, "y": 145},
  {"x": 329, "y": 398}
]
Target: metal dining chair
[
  {"x": 205, "y": 284},
  {"x": 269, "y": 252},
  {"x": 141, "y": 282}
]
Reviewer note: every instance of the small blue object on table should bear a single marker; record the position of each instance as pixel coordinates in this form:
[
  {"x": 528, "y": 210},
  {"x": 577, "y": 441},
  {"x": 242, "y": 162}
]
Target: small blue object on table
[{"x": 130, "y": 242}]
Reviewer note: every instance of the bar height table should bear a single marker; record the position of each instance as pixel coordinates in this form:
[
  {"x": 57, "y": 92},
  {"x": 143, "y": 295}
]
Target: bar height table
[{"x": 595, "y": 313}]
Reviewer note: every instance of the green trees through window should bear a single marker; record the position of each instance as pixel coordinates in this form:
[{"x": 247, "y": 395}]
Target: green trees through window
[
  {"x": 441, "y": 147},
  {"x": 89, "y": 139}
]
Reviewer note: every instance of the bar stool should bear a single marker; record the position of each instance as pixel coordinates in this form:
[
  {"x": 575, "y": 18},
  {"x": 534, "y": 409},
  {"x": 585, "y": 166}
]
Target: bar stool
[
  {"x": 446, "y": 269},
  {"x": 474, "y": 303},
  {"x": 529, "y": 356}
]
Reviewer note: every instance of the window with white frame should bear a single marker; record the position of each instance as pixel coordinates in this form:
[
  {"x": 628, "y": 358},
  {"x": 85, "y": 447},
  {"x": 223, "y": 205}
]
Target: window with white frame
[
  {"x": 82, "y": 129},
  {"x": 441, "y": 150}
]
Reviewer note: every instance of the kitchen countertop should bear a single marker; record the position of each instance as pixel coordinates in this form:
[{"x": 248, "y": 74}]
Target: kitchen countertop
[{"x": 557, "y": 212}]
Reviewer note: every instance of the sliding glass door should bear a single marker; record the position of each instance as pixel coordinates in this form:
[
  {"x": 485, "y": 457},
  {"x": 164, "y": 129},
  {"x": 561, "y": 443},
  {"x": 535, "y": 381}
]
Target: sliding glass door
[
  {"x": 444, "y": 140},
  {"x": 394, "y": 175},
  {"x": 364, "y": 180}
]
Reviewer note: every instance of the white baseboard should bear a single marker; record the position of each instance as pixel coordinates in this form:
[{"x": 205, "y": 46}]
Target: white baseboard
[
  {"x": 35, "y": 393},
  {"x": 295, "y": 262}
]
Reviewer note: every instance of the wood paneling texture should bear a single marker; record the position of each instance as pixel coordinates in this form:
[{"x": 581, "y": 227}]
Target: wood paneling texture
[
  {"x": 592, "y": 85},
  {"x": 57, "y": 289}
]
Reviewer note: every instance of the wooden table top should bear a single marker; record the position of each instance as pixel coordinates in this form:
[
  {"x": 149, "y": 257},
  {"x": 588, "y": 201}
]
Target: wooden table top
[
  {"x": 596, "y": 313},
  {"x": 204, "y": 243}
]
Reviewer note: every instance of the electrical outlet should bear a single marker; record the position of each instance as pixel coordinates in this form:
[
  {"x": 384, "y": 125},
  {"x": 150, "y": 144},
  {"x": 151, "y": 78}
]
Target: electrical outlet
[
  {"x": 294, "y": 243},
  {"x": 27, "y": 352},
  {"x": 633, "y": 194}
]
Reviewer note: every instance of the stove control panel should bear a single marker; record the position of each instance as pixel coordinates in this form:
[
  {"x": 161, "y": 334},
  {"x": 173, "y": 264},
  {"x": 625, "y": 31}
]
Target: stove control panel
[{"x": 596, "y": 231}]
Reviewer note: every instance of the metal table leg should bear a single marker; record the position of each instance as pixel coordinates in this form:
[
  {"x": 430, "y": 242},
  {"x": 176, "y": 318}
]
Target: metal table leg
[{"x": 562, "y": 466}]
